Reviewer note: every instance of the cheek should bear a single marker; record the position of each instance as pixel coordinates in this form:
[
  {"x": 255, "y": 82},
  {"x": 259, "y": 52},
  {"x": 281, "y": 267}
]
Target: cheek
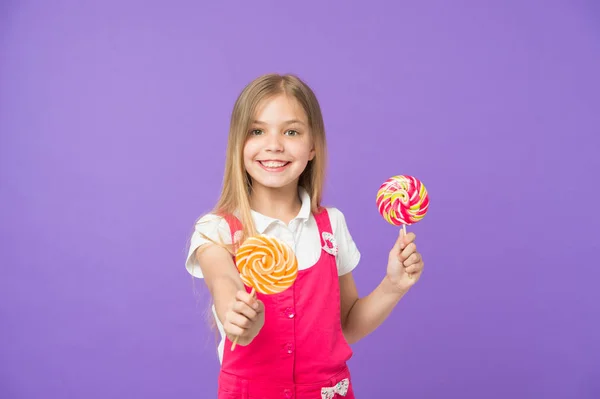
[
  {"x": 309, "y": 149},
  {"x": 305, "y": 152},
  {"x": 248, "y": 152}
]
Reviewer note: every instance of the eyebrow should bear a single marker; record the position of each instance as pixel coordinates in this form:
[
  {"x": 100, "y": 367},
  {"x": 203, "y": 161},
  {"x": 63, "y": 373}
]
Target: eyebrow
[{"x": 290, "y": 122}]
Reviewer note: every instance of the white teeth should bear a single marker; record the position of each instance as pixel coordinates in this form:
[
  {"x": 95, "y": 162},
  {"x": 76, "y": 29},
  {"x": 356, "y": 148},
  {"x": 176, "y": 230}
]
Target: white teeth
[{"x": 273, "y": 164}]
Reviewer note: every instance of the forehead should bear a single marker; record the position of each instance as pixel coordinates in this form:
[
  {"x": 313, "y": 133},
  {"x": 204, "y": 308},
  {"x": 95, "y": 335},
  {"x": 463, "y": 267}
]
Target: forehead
[{"x": 278, "y": 108}]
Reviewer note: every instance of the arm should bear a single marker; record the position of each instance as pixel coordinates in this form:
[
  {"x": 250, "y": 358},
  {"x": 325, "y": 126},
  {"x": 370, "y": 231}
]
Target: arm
[
  {"x": 361, "y": 316},
  {"x": 241, "y": 314}
]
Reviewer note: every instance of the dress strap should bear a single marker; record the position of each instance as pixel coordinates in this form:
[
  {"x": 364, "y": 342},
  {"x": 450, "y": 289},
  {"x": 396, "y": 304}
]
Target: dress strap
[
  {"x": 328, "y": 243},
  {"x": 235, "y": 227}
]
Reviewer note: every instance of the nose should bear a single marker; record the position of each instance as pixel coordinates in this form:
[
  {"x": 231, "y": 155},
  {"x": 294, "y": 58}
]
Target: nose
[{"x": 274, "y": 143}]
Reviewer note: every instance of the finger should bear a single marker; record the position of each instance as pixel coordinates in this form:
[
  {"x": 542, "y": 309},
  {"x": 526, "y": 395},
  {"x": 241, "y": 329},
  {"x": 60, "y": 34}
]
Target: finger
[
  {"x": 239, "y": 320},
  {"x": 233, "y": 330},
  {"x": 245, "y": 310},
  {"x": 414, "y": 269},
  {"x": 248, "y": 299},
  {"x": 412, "y": 259},
  {"x": 408, "y": 251}
]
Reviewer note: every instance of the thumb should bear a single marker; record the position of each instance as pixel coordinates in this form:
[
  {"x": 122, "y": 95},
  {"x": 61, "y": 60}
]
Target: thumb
[
  {"x": 261, "y": 306},
  {"x": 399, "y": 244}
]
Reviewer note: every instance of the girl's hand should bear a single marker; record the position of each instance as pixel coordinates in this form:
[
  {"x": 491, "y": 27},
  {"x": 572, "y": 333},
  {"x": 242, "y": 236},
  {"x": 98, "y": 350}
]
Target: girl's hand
[
  {"x": 245, "y": 318},
  {"x": 405, "y": 264}
]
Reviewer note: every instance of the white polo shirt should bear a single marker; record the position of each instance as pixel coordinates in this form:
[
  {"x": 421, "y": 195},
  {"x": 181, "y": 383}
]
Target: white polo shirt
[{"x": 301, "y": 234}]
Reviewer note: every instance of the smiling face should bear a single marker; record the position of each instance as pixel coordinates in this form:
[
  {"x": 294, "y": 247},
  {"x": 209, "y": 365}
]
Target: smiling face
[{"x": 279, "y": 144}]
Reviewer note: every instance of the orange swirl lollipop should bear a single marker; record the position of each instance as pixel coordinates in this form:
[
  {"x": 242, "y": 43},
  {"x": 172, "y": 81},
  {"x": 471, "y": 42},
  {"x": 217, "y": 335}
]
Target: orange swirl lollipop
[{"x": 266, "y": 264}]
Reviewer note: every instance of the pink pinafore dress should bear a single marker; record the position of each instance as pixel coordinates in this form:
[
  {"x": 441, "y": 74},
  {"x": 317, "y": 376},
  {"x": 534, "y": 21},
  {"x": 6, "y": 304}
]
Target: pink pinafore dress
[{"x": 300, "y": 353}]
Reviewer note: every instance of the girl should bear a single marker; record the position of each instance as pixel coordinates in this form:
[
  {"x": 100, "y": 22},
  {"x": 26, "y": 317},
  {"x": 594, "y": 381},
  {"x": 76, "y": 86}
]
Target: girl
[{"x": 294, "y": 344}]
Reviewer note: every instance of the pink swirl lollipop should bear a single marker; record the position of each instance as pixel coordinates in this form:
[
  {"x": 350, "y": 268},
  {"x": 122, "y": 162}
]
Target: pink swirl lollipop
[{"x": 402, "y": 200}]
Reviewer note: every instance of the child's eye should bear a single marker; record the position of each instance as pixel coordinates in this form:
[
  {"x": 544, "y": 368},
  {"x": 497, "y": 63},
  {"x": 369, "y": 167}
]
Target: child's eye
[
  {"x": 291, "y": 133},
  {"x": 256, "y": 132}
]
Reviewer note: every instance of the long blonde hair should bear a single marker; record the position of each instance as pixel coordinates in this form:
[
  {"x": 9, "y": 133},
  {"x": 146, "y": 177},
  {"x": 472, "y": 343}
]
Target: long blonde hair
[{"x": 237, "y": 184}]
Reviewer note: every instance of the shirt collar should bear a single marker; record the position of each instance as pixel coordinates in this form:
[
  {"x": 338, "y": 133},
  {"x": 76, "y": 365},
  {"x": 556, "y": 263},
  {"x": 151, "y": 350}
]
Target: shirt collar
[{"x": 262, "y": 222}]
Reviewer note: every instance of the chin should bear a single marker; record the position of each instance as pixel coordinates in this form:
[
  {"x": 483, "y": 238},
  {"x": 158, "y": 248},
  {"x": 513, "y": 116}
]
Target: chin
[{"x": 274, "y": 184}]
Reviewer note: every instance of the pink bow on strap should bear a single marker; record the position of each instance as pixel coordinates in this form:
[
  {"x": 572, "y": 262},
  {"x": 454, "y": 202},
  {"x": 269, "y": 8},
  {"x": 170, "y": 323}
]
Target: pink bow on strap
[
  {"x": 341, "y": 388},
  {"x": 330, "y": 245}
]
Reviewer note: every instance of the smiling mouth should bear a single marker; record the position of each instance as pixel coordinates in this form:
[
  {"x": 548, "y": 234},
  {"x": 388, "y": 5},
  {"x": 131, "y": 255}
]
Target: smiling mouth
[{"x": 273, "y": 166}]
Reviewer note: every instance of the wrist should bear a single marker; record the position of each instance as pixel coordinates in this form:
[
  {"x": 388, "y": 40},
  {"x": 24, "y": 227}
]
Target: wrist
[{"x": 393, "y": 287}]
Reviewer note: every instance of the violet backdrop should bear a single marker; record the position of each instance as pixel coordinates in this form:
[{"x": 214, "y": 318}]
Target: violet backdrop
[{"x": 113, "y": 126}]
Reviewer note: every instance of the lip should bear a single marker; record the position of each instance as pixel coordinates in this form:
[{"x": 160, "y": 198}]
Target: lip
[{"x": 278, "y": 169}]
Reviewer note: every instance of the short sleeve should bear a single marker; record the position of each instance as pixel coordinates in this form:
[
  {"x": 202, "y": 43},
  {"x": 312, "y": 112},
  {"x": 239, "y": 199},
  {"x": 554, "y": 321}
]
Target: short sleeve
[
  {"x": 212, "y": 226},
  {"x": 348, "y": 254}
]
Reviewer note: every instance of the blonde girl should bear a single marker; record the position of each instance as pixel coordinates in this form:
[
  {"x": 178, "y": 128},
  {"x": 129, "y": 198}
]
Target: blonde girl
[{"x": 294, "y": 344}]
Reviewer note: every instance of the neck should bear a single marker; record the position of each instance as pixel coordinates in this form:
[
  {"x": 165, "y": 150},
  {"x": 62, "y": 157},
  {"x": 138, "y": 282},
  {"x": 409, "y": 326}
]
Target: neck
[{"x": 283, "y": 203}]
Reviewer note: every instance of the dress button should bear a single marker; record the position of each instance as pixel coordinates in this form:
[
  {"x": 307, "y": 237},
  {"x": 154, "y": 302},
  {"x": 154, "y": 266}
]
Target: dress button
[
  {"x": 287, "y": 394},
  {"x": 289, "y": 312},
  {"x": 289, "y": 348}
]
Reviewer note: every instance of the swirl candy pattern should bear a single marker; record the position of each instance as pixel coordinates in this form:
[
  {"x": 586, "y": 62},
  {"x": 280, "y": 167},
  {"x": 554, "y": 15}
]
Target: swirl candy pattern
[
  {"x": 266, "y": 264},
  {"x": 402, "y": 200}
]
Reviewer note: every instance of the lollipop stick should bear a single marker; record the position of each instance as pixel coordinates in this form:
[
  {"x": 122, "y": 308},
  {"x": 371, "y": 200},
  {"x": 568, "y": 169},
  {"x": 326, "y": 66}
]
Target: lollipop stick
[
  {"x": 252, "y": 293},
  {"x": 404, "y": 235}
]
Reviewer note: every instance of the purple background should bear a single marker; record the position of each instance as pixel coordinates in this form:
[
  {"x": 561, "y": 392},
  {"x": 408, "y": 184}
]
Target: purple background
[{"x": 113, "y": 122}]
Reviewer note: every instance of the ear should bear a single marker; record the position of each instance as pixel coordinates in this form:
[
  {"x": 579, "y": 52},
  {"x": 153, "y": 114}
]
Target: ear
[{"x": 312, "y": 154}]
